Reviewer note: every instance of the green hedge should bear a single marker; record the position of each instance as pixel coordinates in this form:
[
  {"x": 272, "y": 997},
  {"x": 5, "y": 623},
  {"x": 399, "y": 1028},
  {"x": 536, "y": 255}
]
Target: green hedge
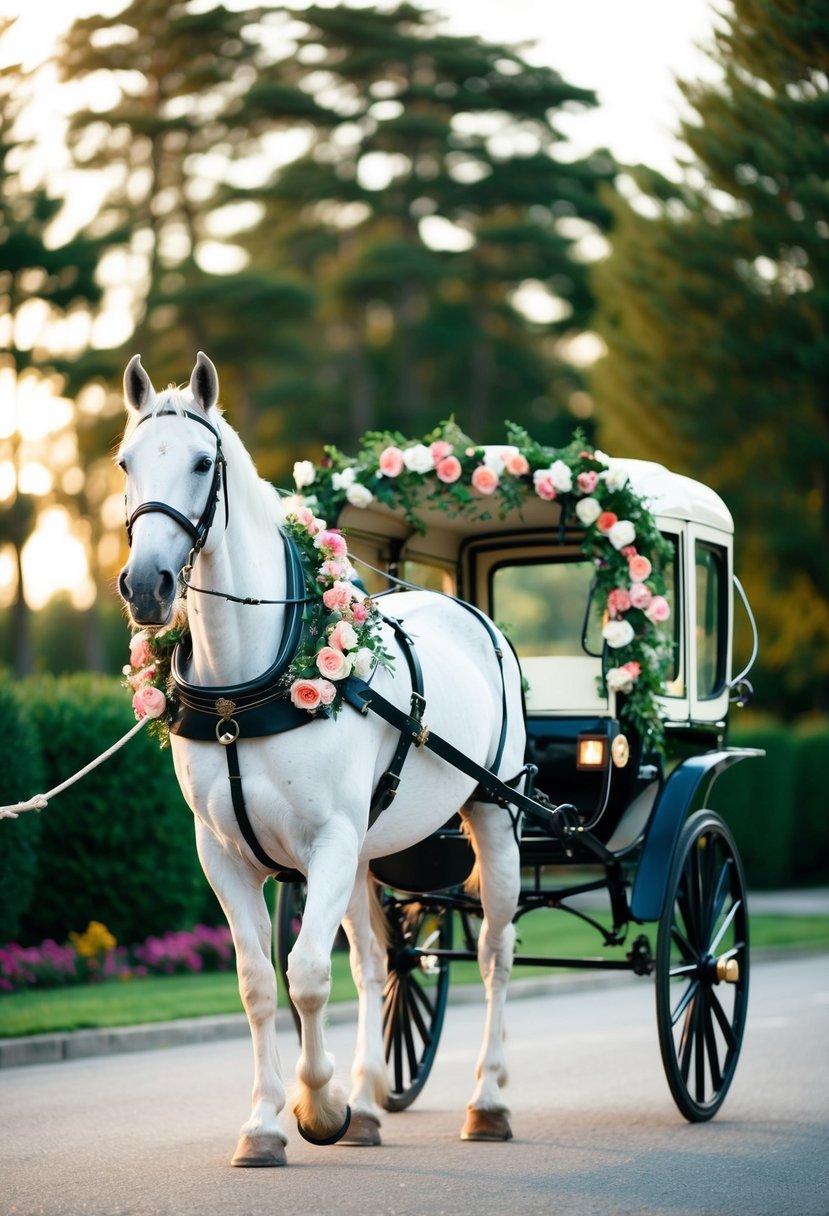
[
  {"x": 811, "y": 832},
  {"x": 756, "y": 798},
  {"x": 118, "y": 846},
  {"x": 21, "y": 776}
]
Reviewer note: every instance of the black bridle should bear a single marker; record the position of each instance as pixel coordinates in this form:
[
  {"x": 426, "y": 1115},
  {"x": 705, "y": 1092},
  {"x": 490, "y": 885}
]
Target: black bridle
[{"x": 198, "y": 531}]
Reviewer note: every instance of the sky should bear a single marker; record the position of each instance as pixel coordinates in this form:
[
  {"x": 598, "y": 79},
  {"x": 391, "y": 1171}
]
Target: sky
[{"x": 630, "y": 52}]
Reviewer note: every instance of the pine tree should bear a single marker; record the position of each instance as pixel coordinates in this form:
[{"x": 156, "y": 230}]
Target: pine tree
[
  {"x": 460, "y": 131},
  {"x": 713, "y": 308}
]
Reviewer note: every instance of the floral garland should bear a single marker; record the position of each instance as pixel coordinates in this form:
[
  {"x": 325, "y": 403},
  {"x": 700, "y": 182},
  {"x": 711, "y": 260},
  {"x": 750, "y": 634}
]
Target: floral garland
[
  {"x": 446, "y": 471},
  {"x": 340, "y": 635}
]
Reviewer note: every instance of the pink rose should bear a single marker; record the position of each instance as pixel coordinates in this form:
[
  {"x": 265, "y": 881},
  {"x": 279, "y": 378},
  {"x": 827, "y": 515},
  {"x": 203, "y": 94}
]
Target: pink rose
[
  {"x": 639, "y": 568},
  {"x": 360, "y": 613},
  {"x": 544, "y": 488},
  {"x": 485, "y": 480},
  {"x": 332, "y": 663},
  {"x": 343, "y": 636},
  {"x": 640, "y": 595},
  {"x": 338, "y": 597},
  {"x": 658, "y": 610},
  {"x": 587, "y": 482},
  {"x": 327, "y": 691},
  {"x": 440, "y": 449},
  {"x": 633, "y": 668},
  {"x": 618, "y": 601},
  {"x": 449, "y": 470},
  {"x": 333, "y": 569},
  {"x": 331, "y": 542},
  {"x": 516, "y": 464},
  {"x": 305, "y": 694},
  {"x": 628, "y": 551},
  {"x": 391, "y": 462},
  {"x": 149, "y": 702},
  {"x": 606, "y": 521},
  {"x": 140, "y": 653}
]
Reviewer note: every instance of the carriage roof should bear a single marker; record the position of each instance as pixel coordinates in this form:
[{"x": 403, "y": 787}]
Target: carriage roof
[{"x": 670, "y": 497}]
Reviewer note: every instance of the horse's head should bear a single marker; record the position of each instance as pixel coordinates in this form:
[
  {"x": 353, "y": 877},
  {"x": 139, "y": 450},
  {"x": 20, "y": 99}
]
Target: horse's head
[{"x": 172, "y": 459}]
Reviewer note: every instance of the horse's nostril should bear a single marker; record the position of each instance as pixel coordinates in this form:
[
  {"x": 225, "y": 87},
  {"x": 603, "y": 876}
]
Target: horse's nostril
[
  {"x": 166, "y": 585},
  {"x": 124, "y": 586}
]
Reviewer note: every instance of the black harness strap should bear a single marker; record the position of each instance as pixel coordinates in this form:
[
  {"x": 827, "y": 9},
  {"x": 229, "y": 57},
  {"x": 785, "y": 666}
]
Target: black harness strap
[
  {"x": 383, "y": 795},
  {"x": 240, "y": 810}
]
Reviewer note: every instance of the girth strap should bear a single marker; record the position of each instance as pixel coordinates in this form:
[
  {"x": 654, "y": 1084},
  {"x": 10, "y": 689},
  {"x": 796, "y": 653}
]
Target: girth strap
[
  {"x": 383, "y": 795},
  {"x": 240, "y": 810}
]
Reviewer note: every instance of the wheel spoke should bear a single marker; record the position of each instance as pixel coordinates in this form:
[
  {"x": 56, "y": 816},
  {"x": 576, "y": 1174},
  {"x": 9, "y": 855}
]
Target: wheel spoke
[
  {"x": 700, "y": 1050},
  {"x": 711, "y": 1049},
  {"x": 686, "y": 1042},
  {"x": 685, "y": 948},
  {"x": 416, "y": 992},
  {"x": 688, "y": 996},
  {"x": 723, "y": 1021},
  {"x": 726, "y": 925}
]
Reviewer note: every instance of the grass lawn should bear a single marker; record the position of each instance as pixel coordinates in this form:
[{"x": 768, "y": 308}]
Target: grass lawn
[{"x": 159, "y": 999}]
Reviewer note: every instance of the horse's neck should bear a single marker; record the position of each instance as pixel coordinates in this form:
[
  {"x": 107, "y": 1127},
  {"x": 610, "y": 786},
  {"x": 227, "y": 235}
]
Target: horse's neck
[{"x": 234, "y": 643}]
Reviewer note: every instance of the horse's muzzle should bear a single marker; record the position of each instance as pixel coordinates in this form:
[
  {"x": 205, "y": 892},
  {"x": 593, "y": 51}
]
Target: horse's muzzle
[{"x": 148, "y": 596}]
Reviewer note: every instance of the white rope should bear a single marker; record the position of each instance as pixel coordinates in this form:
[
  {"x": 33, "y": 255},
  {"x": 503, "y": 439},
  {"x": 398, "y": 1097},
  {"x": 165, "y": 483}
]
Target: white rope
[{"x": 39, "y": 801}]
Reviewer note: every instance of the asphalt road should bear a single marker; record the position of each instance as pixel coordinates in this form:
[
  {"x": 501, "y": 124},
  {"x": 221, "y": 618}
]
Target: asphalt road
[{"x": 595, "y": 1127}]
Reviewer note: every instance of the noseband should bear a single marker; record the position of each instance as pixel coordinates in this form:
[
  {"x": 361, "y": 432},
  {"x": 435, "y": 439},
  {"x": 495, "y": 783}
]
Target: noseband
[{"x": 198, "y": 531}]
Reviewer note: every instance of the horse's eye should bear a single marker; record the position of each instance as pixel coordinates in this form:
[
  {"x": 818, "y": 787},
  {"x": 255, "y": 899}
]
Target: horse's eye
[
  {"x": 204, "y": 465},
  {"x": 122, "y": 465}
]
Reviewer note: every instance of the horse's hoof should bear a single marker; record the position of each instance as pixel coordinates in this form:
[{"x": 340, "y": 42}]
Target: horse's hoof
[
  {"x": 486, "y": 1125},
  {"x": 259, "y": 1152},
  {"x": 364, "y": 1132},
  {"x": 333, "y": 1138}
]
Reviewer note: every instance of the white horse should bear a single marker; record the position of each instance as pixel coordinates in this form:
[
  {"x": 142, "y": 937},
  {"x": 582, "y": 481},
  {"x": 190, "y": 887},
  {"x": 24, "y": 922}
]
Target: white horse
[{"x": 308, "y": 791}]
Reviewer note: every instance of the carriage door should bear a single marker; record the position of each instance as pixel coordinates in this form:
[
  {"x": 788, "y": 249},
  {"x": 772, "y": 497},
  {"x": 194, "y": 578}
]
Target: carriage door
[{"x": 710, "y": 606}]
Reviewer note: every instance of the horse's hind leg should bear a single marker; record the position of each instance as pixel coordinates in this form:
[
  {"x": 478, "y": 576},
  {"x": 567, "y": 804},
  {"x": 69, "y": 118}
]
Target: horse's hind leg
[
  {"x": 499, "y": 876},
  {"x": 261, "y": 1142},
  {"x": 320, "y": 1107},
  {"x": 366, "y": 937}
]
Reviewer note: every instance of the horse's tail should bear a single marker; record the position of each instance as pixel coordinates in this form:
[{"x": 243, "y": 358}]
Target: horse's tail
[{"x": 472, "y": 884}]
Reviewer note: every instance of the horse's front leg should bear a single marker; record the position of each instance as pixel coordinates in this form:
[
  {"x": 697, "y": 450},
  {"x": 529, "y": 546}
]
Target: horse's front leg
[
  {"x": 239, "y": 891},
  {"x": 320, "y": 1106}
]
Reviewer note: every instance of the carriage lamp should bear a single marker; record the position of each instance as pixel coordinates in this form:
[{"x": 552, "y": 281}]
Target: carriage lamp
[{"x": 591, "y": 752}]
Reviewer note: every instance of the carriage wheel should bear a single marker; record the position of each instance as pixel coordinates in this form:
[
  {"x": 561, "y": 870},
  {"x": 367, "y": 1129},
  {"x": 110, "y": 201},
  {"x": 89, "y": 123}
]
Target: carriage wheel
[
  {"x": 702, "y": 967},
  {"x": 415, "y": 996}
]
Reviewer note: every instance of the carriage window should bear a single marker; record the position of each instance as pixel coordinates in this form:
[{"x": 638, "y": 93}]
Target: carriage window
[
  {"x": 540, "y": 606},
  {"x": 428, "y": 576},
  {"x": 675, "y": 678},
  {"x": 710, "y": 634}
]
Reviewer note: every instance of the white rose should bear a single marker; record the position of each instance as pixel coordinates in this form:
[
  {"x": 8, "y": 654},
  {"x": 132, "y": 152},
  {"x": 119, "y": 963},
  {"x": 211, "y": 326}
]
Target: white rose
[
  {"x": 362, "y": 662},
  {"x": 359, "y": 496},
  {"x": 494, "y": 461},
  {"x": 615, "y": 478},
  {"x": 343, "y": 479},
  {"x": 588, "y": 510},
  {"x": 618, "y": 633},
  {"x": 561, "y": 477},
  {"x": 304, "y": 474},
  {"x": 622, "y": 533},
  {"x": 619, "y": 680},
  {"x": 418, "y": 459},
  {"x": 601, "y": 457}
]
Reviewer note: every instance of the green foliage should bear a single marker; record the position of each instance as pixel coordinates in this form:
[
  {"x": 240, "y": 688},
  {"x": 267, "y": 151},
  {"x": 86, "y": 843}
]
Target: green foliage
[
  {"x": 811, "y": 856},
  {"x": 713, "y": 311},
  {"x": 21, "y": 766},
  {"x": 757, "y": 799},
  {"x": 117, "y": 846}
]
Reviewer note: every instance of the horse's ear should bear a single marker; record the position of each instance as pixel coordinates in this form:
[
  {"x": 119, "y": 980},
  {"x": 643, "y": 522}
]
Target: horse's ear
[
  {"x": 204, "y": 383},
  {"x": 137, "y": 386}
]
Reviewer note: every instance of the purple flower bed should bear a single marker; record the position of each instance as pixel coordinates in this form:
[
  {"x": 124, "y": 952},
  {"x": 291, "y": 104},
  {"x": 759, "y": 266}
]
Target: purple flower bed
[{"x": 50, "y": 965}]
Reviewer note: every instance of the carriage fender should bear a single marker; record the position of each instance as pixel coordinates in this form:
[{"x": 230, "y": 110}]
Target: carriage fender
[{"x": 687, "y": 788}]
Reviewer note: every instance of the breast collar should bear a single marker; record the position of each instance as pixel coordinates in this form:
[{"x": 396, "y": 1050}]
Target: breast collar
[{"x": 258, "y": 707}]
